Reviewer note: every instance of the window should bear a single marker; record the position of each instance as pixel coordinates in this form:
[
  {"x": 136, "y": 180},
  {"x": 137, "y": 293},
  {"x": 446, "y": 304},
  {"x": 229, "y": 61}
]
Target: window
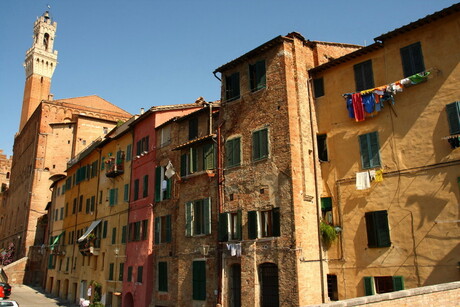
[
  {"x": 111, "y": 266},
  {"x": 453, "y": 117},
  {"x": 198, "y": 217},
  {"x": 113, "y": 197},
  {"x": 193, "y": 128},
  {"x": 126, "y": 193},
  {"x": 162, "y": 184},
  {"x": 233, "y": 152},
  {"x": 378, "y": 232},
  {"x": 114, "y": 235},
  {"x": 382, "y": 284},
  {"x": 412, "y": 59},
  {"x": 61, "y": 217},
  {"x": 332, "y": 287},
  {"x": 74, "y": 207},
  {"x": 135, "y": 230},
  {"x": 142, "y": 146},
  {"x": 198, "y": 158},
  {"x": 129, "y": 152},
  {"x": 364, "y": 77},
  {"x": 145, "y": 186},
  {"x": 369, "y": 147},
  {"x": 257, "y": 76},
  {"x": 93, "y": 203},
  {"x": 140, "y": 270},
  {"x": 322, "y": 147},
  {"x": 130, "y": 273},
  {"x": 260, "y": 144},
  {"x": 163, "y": 229},
  {"x": 326, "y": 209},
  {"x": 230, "y": 226},
  {"x": 199, "y": 280},
  {"x": 104, "y": 229},
  {"x": 144, "y": 231},
  {"x": 232, "y": 86},
  {"x": 318, "y": 86},
  {"x": 264, "y": 223},
  {"x": 80, "y": 204},
  {"x": 163, "y": 276},
  {"x": 165, "y": 135},
  {"x": 102, "y": 163},
  {"x": 136, "y": 189},
  {"x": 120, "y": 273},
  {"x": 123, "y": 234},
  {"x": 88, "y": 205}
]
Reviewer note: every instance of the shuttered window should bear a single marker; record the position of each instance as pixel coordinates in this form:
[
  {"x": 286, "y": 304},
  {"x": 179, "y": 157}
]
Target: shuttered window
[
  {"x": 104, "y": 229},
  {"x": 136, "y": 189},
  {"x": 114, "y": 235},
  {"x": 322, "y": 147},
  {"x": 140, "y": 272},
  {"x": 193, "y": 128},
  {"x": 208, "y": 156},
  {"x": 111, "y": 266},
  {"x": 162, "y": 184},
  {"x": 230, "y": 226},
  {"x": 412, "y": 59},
  {"x": 129, "y": 152},
  {"x": 198, "y": 217},
  {"x": 121, "y": 271},
  {"x": 232, "y": 86},
  {"x": 130, "y": 273},
  {"x": 260, "y": 144},
  {"x": 113, "y": 197},
  {"x": 199, "y": 280},
  {"x": 453, "y": 117},
  {"x": 126, "y": 193},
  {"x": 233, "y": 152},
  {"x": 257, "y": 76},
  {"x": 382, "y": 284},
  {"x": 145, "y": 186},
  {"x": 163, "y": 276},
  {"x": 378, "y": 232},
  {"x": 369, "y": 147},
  {"x": 264, "y": 223},
  {"x": 163, "y": 230},
  {"x": 318, "y": 86},
  {"x": 123, "y": 234},
  {"x": 364, "y": 76}
]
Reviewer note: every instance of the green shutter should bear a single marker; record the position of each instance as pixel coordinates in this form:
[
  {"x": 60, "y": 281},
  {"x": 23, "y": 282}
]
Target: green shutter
[
  {"x": 199, "y": 280},
  {"x": 168, "y": 189},
  {"x": 111, "y": 271},
  {"x": 208, "y": 156},
  {"x": 145, "y": 189},
  {"x": 104, "y": 230},
  {"x": 168, "y": 228},
  {"x": 207, "y": 215},
  {"x": 238, "y": 226},
  {"x": 88, "y": 204},
  {"x": 126, "y": 193},
  {"x": 369, "y": 285},
  {"x": 364, "y": 149},
  {"x": 255, "y": 145},
  {"x": 223, "y": 227},
  {"x": 260, "y": 74},
  {"x": 229, "y": 153},
  {"x": 158, "y": 180},
  {"x": 123, "y": 234},
  {"x": 398, "y": 283},
  {"x": 114, "y": 235},
  {"x": 276, "y": 222},
  {"x": 383, "y": 231},
  {"x": 111, "y": 197},
  {"x": 163, "y": 276},
  {"x": 236, "y": 151},
  {"x": 157, "y": 229},
  {"x": 136, "y": 189},
  {"x": 128, "y": 152},
  {"x": 369, "y": 148},
  {"x": 412, "y": 59},
  {"x": 252, "y": 224},
  {"x": 326, "y": 203},
  {"x": 183, "y": 165},
  {"x": 453, "y": 117},
  {"x": 120, "y": 272},
  {"x": 188, "y": 219},
  {"x": 370, "y": 228},
  {"x": 193, "y": 160}
]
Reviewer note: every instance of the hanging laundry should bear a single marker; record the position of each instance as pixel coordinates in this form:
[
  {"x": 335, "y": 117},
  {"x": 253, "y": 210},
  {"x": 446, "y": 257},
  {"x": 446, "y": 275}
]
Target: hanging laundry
[
  {"x": 351, "y": 114},
  {"x": 358, "y": 106},
  {"x": 164, "y": 185},
  {"x": 169, "y": 170},
  {"x": 234, "y": 248},
  {"x": 368, "y": 102},
  {"x": 363, "y": 181},
  {"x": 372, "y": 175},
  {"x": 378, "y": 175},
  {"x": 454, "y": 142},
  {"x": 419, "y": 78}
]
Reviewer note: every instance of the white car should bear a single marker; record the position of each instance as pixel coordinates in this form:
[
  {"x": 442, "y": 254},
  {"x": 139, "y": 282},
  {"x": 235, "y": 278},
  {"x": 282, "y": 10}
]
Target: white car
[{"x": 8, "y": 303}]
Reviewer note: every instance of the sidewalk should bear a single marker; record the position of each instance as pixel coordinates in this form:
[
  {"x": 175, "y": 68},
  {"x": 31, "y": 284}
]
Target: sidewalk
[{"x": 28, "y": 296}]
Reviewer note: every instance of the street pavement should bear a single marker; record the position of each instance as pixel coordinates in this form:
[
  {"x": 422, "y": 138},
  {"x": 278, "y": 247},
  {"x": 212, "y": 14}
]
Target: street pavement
[{"x": 35, "y": 297}]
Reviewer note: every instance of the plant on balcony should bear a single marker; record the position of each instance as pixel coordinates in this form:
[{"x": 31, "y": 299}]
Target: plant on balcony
[{"x": 328, "y": 233}]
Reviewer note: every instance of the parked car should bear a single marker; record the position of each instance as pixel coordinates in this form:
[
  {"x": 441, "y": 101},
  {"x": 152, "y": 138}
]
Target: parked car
[
  {"x": 9, "y": 303},
  {"x": 6, "y": 289}
]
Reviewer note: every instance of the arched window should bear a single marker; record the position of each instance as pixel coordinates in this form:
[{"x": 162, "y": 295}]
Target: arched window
[{"x": 46, "y": 40}]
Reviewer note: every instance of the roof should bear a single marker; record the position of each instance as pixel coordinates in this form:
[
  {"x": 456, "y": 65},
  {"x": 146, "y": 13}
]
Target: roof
[
  {"x": 381, "y": 39},
  {"x": 215, "y": 110},
  {"x": 85, "y": 152},
  {"x": 163, "y": 108},
  {"x": 195, "y": 141},
  {"x": 94, "y": 102}
]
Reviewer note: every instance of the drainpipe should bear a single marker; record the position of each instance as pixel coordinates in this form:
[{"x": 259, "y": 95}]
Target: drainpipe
[{"x": 220, "y": 198}]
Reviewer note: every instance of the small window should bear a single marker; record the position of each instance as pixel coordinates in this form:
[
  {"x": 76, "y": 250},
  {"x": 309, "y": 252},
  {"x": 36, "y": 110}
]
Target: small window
[
  {"x": 332, "y": 287},
  {"x": 232, "y": 86},
  {"x": 260, "y": 144},
  {"x": 264, "y": 223},
  {"x": 199, "y": 280},
  {"x": 318, "y": 86},
  {"x": 130, "y": 273},
  {"x": 364, "y": 76},
  {"x": 111, "y": 266},
  {"x": 113, "y": 197},
  {"x": 145, "y": 228},
  {"x": 453, "y": 117},
  {"x": 412, "y": 59},
  {"x": 140, "y": 271},
  {"x": 163, "y": 276},
  {"x": 114, "y": 235},
  {"x": 136, "y": 189},
  {"x": 104, "y": 229},
  {"x": 121, "y": 271},
  {"x": 145, "y": 186},
  {"x": 198, "y": 217},
  {"x": 230, "y": 226},
  {"x": 326, "y": 209},
  {"x": 233, "y": 152},
  {"x": 163, "y": 231},
  {"x": 162, "y": 184},
  {"x": 257, "y": 76},
  {"x": 193, "y": 128},
  {"x": 382, "y": 284},
  {"x": 165, "y": 135},
  {"x": 378, "y": 232},
  {"x": 123, "y": 235},
  {"x": 129, "y": 152},
  {"x": 126, "y": 193},
  {"x": 322, "y": 147},
  {"x": 369, "y": 147}
]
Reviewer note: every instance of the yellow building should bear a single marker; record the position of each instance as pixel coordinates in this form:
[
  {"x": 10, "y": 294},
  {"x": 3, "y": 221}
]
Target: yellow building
[{"x": 388, "y": 130}]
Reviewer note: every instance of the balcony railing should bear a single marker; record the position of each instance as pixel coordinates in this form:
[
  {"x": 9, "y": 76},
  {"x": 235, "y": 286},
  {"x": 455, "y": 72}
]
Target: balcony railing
[
  {"x": 114, "y": 167},
  {"x": 89, "y": 247}
]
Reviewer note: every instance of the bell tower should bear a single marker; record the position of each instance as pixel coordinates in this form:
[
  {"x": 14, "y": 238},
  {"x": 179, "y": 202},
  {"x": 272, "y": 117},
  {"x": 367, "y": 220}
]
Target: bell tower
[{"x": 40, "y": 62}]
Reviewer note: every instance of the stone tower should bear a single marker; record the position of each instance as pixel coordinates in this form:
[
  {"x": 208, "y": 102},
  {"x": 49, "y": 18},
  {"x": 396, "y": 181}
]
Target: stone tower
[{"x": 40, "y": 62}]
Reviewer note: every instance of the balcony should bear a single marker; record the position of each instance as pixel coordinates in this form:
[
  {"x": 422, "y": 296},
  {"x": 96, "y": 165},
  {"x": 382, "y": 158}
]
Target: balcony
[
  {"x": 89, "y": 246},
  {"x": 58, "y": 250},
  {"x": 114, "y": 167}
]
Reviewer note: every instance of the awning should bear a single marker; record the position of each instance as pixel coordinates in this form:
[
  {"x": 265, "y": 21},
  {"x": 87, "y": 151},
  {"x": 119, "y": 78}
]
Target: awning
[
  {"x": 56, "y": 240},
  {"x": 89, "y": 230}
]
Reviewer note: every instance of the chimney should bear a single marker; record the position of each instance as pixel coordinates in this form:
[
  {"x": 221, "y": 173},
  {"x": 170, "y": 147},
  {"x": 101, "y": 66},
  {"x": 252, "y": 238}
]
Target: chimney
[
  {"x": 50, "y": 97},
  {"x": 142, "y": 110}
]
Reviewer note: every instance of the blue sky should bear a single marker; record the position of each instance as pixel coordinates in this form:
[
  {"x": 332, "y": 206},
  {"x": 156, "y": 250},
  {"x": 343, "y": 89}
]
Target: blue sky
[{"x": 142, "y": 53}]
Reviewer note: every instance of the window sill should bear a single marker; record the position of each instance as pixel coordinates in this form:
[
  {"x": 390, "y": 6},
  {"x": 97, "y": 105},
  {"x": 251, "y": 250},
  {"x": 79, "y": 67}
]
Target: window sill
[
  {"x": 257, "y": 90},
  {"x": 260, "y": 159}
]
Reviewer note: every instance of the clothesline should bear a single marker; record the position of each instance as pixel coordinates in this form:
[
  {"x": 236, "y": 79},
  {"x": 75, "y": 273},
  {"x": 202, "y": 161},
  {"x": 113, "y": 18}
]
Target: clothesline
[{"x": 370, "y": 101}]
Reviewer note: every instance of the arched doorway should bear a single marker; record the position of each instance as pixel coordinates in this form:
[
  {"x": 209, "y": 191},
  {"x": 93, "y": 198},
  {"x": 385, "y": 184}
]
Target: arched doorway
[
  {"x": 269, "y": 290},
  {"x": 128, "y": 300},
  {"x": 234, "y": 285}
]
